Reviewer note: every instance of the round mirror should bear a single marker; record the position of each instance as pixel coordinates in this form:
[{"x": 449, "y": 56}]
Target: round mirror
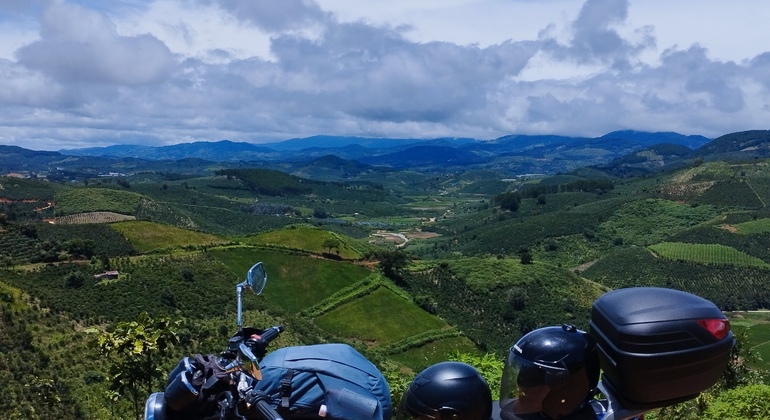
[{"x": 256, "y": 278}]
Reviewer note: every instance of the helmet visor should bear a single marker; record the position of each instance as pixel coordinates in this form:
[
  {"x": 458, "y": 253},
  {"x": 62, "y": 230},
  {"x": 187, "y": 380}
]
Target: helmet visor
[{"x": 525, "y": 384}]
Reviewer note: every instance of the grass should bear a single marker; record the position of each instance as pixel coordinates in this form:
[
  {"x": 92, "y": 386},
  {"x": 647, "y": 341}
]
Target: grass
[
  {"x": 149, "y": 236},
  {"x": 379, "y": 318},
  {"x": 294, "y": 282},
  {"x": 308, "y": 238},
  {"x": 757, "y": 327},
  {"x": 421, "y": 357},
  {"x": 753, "y": 227}
]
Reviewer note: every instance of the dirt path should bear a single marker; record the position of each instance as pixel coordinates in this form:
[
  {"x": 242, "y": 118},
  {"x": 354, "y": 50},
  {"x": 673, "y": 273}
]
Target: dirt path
[{"x": 585, "y": 266}]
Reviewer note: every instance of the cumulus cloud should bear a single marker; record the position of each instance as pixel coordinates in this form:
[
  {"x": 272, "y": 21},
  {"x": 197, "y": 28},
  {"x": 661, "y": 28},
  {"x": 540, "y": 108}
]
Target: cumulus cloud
[
  {"x": 276, "y": 15},
  {"x": 167, "y": 71},
  {"x": 81, "y": 45}
]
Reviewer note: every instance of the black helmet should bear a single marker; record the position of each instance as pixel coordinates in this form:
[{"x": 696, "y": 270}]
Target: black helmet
[
  {"x": 448, "y": 390},
  {"x": 552, "y": 371}
]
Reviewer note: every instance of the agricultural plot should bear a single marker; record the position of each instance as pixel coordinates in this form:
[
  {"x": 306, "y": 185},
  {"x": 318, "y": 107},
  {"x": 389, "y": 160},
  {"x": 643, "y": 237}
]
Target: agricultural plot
[
  {"x": 646, "y": 222},
  {"x": 310, "y": 239},
  {"x": 380, "y": 318},
  {"x": 753, "y": 227},
  {"x": 706, "y": 254},
  {"x": 92, "y": 217},
  {"x": 295, "y": 282},
  {"x": 83, "y": 200},
  {"x": 731, "y": 193},
  {"x": 149, "y": 236},
  {"x": 729, "y": 287}
]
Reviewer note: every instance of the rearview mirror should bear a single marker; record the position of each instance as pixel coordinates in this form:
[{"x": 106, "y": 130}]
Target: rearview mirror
[{"x": 256, "y": 278}]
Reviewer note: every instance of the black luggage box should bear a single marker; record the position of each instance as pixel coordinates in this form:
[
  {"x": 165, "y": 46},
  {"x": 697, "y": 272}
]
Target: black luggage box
[{"x": 659, "y": 346}]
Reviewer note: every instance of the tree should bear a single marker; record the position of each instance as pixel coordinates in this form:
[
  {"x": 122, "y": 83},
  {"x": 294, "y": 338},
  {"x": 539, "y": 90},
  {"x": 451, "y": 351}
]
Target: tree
[
  {"x": 508, "y": 201},
  {"x": 392, "y": 263},
  {"x": 331, "y": 243},
  {"x": 136, "y": 349},
  {"x": 75, "y": 280}
]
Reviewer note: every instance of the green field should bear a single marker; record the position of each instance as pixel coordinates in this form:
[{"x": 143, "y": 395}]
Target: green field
[
  {"x": 311, "y": 239},
  {"x": 754, "y": 226},
  {"x": 149, "y": 236},
  {"x": 379, "y": 318},
  {"x": 294, "y": 282},
  {"x": 706, "y": 254}
]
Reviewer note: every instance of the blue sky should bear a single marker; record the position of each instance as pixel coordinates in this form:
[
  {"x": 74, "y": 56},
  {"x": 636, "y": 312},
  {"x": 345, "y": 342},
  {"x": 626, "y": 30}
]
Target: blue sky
[{"x": 82, "y": 73}]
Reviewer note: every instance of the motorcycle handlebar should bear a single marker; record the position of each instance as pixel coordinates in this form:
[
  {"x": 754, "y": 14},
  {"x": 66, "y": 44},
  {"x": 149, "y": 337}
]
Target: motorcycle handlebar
[
  {"x": 271, "y": 333},
  {"x": 267, "y": 411}
]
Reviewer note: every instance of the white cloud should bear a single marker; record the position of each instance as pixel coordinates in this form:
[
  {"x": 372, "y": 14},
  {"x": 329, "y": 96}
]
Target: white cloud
[{"x": 168, "y": 71}]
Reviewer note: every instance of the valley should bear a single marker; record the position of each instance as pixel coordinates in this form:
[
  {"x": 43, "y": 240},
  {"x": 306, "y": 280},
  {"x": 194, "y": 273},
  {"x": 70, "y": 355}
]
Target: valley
[{"x": 409, "y": 266}]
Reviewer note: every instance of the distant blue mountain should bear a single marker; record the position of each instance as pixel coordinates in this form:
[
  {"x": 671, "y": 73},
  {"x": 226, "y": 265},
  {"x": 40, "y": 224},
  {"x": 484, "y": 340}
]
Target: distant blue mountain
[
  {"x": 334, "y": 142},
  {"x": 218, "y": 151},
  {"x": 512, "y": 153}
]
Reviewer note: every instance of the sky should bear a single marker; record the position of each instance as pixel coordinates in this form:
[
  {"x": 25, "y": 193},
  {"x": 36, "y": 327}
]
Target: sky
[{"x": 91, "y": 73}]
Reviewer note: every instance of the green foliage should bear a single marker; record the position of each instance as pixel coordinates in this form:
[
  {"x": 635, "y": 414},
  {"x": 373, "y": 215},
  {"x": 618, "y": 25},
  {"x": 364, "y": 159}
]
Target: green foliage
[
  {"x": 489, "y": 366},
  {"x": 634, "y": 266},
  {"x": 135, "y": 349},
  {"x": 731, "y": 193},
  {"x": 82, "y": 200},
  {"x": 474, "y": 294},
  {"x": 43, "y": 363},
  {"x": 142, "y": 285},
  {"x": 508, "y": 201},
  {"x": 598, "y": 186},
  {"x": 16, "y": 247},
  {"x": 107, "y": 240},
  {"x": 269, "y": 182},
  {"x": 750, "y": 402},
  {"x": 646, "y": 222}
]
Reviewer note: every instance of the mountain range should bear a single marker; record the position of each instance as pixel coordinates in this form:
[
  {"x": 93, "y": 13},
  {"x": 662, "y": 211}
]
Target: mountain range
[{"x": 619, "y": 153}]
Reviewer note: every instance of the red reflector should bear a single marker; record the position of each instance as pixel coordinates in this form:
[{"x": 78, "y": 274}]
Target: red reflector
[{"x": 717, "y": 327}]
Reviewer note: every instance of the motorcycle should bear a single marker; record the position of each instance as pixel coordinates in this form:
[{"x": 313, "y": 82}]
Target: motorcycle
[
  {"x": 298, "y": 382},
  {"x": 230, "y": 377},
  {"x": 656, "y": 347},
  {"x": 646, "y": 348}
]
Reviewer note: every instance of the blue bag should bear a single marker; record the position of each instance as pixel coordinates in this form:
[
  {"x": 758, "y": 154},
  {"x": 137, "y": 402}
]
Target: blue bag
[{"x": 332, "y": 381}]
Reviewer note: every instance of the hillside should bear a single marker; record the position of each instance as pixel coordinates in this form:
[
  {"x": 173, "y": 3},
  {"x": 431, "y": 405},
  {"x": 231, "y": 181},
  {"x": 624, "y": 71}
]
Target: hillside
[{"x": 476, "y": 259}]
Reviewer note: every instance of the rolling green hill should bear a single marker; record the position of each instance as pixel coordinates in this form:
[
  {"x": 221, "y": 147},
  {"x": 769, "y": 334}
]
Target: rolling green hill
[{"x": 472, "y": 277}]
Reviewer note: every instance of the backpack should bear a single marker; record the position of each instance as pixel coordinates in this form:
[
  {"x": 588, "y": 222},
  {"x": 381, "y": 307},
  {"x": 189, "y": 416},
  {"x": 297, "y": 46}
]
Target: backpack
[{"x": 300, "y": 380}]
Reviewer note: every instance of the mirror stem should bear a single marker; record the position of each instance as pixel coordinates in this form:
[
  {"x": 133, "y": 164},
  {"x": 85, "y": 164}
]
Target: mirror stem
[{"x": 239, "y": 292}]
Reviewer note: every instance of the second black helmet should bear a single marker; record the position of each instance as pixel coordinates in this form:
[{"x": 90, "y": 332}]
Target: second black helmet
[{"x": 448, "y": 391}]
